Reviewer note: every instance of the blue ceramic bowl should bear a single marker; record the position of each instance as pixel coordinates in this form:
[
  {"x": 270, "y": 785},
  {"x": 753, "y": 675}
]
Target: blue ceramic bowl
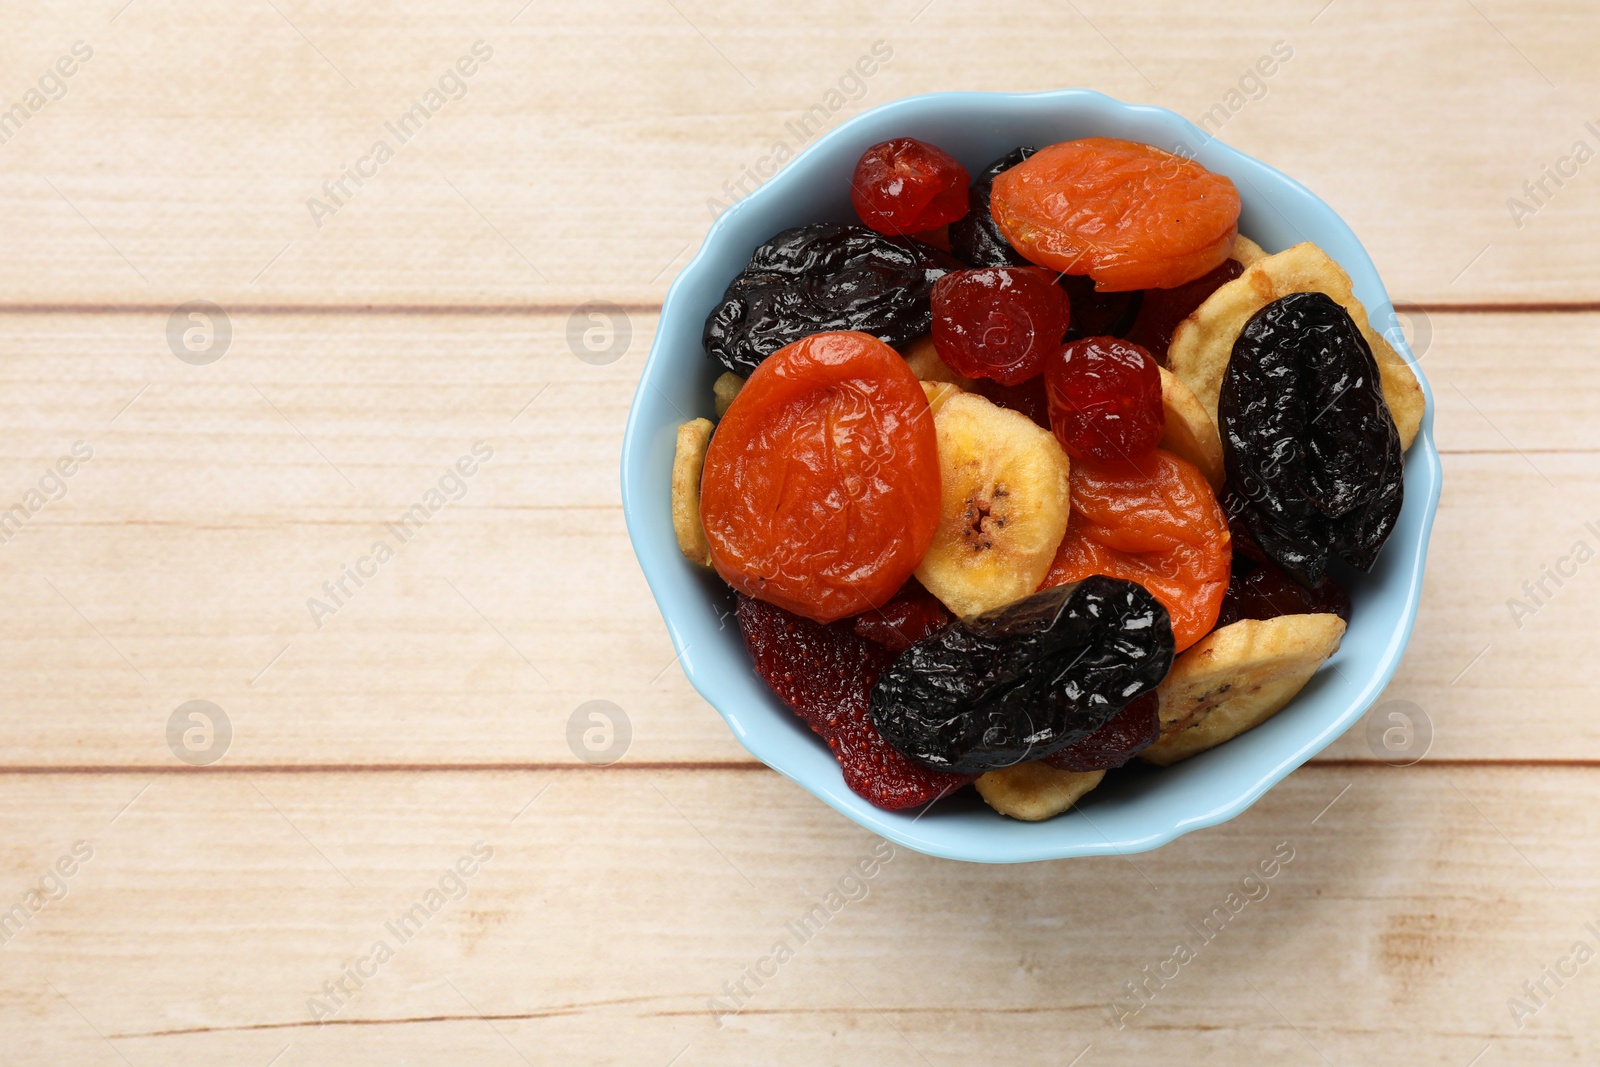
[{"x": 1134, "y": 810}]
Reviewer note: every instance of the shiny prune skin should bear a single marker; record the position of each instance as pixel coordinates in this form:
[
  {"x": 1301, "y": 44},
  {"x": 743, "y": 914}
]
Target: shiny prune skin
[
  {"x": 1312, "y": 453},
  {"x": 1161, "y": 310},
  {"x": 1129, "y": 732},
  {"x": 824, "y": 277},
  {"x": 825, "y": 674},
  {"x": 975, "y": 239},
  {"x": 1025, "y": 680},
  {"x": 1097, "y": 314},
  {"x": 904, "y": 186}
]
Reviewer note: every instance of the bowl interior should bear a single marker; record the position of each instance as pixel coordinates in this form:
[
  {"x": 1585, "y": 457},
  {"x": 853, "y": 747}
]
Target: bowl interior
[{"x": 1133, "y": 810}]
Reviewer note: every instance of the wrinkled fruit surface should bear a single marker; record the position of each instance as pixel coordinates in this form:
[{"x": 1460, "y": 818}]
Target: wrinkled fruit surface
[
  {"x": 1026, "y": 680},
  {"x": 1162, "y": 309},
  {"x": 824, "y": 277},
  {"x": 906, "y": 186},
  {"x": 820, "y": 490},
  {"x": 1158, "y": 524},
  {"x": 998, "y": 322},
  {"x": 825, "y": 674},
  {"x": 1130, "y": 731},
  {"x": 1129, "y": 215},
  {"x": 1311, "y": 449},
  {"x": 1105, "y": 400}
]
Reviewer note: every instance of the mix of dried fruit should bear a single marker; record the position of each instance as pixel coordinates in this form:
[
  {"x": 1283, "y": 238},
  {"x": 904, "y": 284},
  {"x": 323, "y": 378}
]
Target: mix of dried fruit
[{"x": 1071, "y": 492}]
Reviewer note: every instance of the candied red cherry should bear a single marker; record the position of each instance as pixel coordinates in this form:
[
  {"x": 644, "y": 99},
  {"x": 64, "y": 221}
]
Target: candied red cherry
[
  {"x": 906, "y": 186},
  {"x": 999, "y": 322},
  {"x": 1105, "y": 399},
  {"x": 1162, "y": 309}
]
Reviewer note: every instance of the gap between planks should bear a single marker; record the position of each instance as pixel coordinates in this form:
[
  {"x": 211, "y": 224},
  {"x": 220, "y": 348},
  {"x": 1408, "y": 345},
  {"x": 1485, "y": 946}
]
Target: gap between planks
[{"x": 697, "y": 767}]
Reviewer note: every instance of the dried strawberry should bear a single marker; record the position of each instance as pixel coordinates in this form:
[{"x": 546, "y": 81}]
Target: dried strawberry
[
  {"x": 911, "y": 615},
  {"x": 826, "y": 674},
  {"x": 1131, "y": 731}
]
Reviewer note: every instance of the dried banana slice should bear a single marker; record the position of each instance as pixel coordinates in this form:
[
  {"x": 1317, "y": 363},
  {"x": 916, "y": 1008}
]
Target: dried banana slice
[
  {"x": 1237, "y": 678},
  {"x": 1035, "y": 791},
  {"x": 937, "y": 393},
  {"x": 1246, "y": 251},
  {"x": 724, "y": 389},
  {"x": 1190, "y": 434},
  {"x": 923, "y": 359},
  {"x": 1203, "y": 342},
  {"x": 687, "y": 461},
  {"x": 1003, "y": 506}
]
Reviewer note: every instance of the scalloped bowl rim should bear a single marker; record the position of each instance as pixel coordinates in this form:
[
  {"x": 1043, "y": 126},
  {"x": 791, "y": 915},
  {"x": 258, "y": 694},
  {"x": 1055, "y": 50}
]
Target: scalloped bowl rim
[{"x": 1198, "y": 793}]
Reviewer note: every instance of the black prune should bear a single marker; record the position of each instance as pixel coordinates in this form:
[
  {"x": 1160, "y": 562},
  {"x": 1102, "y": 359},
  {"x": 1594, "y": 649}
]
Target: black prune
[
  {"x": 1026, "y": 680},
  {"x": 974, "y": 238},
  {"x": 1311, "y": 450},
  {"x": 1129, "y": 732},
  {"x": 821, "y": 277}
]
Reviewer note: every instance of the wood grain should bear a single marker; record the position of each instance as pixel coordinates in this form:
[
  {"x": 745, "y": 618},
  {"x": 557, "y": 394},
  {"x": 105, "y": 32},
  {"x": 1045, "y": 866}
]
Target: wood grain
[
  {"x": 375, "y": 743},
  {"x": 581, "y": 159},
  {"x": 615, "y": 907}
]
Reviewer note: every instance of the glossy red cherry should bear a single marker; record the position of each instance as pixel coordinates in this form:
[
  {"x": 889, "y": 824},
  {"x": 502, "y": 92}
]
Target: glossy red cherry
[
  {"x": 906, "y": 186},
  {"x": 999, "y": 322},
  {"x": 1105, "y": 399}
]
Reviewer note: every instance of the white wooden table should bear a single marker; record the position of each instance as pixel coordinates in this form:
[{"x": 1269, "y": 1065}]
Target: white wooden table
[{"x": 227, "y": 913}]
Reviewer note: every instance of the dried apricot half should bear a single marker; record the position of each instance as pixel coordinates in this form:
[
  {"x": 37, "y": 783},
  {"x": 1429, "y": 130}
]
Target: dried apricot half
[
  {"x": 1155, "y": 522},
  {"x": 820, "y": 490},
  {"x": 1129, "y": 215}
]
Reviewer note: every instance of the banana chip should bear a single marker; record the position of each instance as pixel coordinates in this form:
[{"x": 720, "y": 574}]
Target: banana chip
[
  {"x": 937, "y": 393},
  {"x": 687, "y": 461},
  {"x": 1237, "y": 678},
  {"x": 1246, "y": 251},
  {"x": 724, "y": 389},
  {"x": 1203, "y": 342},
  {"x": 1035, "y": 791},
  {"x": 1190, "y": 434},
  {"x": 923, "y": 359},
  {"x": 1003, "y": 505}
]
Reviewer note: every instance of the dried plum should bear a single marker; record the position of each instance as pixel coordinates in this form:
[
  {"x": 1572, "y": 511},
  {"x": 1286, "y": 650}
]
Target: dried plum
[
  {"x": 1130, "y": 731},
  {"x": 974, "y": 238},
  {"x": 821, "y": 277},
  {"x": 1312, "y": 453},
  {"x": 1026, "y": 680}
]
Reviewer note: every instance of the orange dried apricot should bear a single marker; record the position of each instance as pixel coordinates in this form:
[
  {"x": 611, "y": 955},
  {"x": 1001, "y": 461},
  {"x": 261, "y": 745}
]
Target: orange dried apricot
[
  {"x": 1157, "y": 523},
  {"x": 1129, "y": 215},
  {"x": 820, "y": 491}
]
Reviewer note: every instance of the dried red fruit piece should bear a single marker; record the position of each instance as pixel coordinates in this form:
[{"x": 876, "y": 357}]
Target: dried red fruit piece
[
  {"x": 1105, "y": 400},
  {"x": 1264, "y": 591},
  {"x": 998, "y": 322},
  {"x": 826, "y": 674},
  {"x": 1130, "y": 731},
  {"x": 905, "y": 186},
  {"x": 913, "y": 614},
  {"x": 1162, "y": 309},
  {"x": 1029, "y": 398}
]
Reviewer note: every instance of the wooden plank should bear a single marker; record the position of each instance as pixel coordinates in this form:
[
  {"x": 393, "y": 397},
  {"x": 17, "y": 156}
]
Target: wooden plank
[
  {"x": 181, "y": 560},
  {"x": 581, "y": 159},
  {"x": 1404, "y": 908}
]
